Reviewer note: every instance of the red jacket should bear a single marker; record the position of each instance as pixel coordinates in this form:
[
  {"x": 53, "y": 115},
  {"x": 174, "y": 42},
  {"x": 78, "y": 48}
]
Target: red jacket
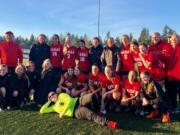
[
  {"x": 174, "y": 64},
  {"x": 10, "y": 53}
]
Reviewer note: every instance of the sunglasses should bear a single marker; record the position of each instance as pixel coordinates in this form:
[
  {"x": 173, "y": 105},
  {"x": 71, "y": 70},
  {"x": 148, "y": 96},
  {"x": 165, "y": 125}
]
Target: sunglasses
[{"x": 51, "y": 95}]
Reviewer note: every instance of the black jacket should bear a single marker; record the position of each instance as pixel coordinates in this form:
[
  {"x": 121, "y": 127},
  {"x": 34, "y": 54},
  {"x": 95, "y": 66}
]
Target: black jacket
[
  {"x": 34, "y": 79},
  {"x": 5, "y": 81},
  {"x": 38, "y": 53},
  {"x": 95, "y": 55},
  {"x": 21, "y": 84},
  {"x": 47, "y": 84}
]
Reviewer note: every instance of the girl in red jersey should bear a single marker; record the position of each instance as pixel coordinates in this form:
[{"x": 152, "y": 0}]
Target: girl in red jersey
[
  {"x": 67, "y": 82},
  {"x": 152, "y": 63},
  {"x": 69, "y": 54},
  {"x": 111, "y": 90},
  {"x": 94, "y": 84},
  {"x": 83, "y": 58},
  {"x": 81, "y": 86},
  {"x": 56, "y": 56},
  {"x": 134, "y": 46},
  {"x": 131, "y": 90},
  {"x": 126, "y": 62}
]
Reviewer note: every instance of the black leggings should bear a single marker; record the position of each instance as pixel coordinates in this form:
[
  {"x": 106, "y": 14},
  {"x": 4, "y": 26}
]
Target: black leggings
[{"x": 172, "y": 89}]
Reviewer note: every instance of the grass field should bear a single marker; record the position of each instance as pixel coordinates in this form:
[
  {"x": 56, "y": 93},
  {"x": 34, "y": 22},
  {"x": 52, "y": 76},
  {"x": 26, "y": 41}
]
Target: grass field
[{"x": 29, "y": 122}]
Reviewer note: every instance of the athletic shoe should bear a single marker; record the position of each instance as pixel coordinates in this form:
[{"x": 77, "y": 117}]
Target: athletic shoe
[
  {"x": 104, "y": 112},
  {"x": 175, "y": 111},
  {"x": 166, "y": 118},
  {"x": 152, "y": 115}
]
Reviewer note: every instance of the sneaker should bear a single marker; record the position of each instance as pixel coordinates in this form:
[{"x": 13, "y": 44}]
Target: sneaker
[
  {"x": 166, "y": 118},
  {"x": 8, "y": 108},
  {"x": 152, "y": 115},
  {"x": 112, "y": 124},
  {"x": 104, "y": 112},
  {"x": 143, "y": 113},
  {"x": 1, "y": 110}
]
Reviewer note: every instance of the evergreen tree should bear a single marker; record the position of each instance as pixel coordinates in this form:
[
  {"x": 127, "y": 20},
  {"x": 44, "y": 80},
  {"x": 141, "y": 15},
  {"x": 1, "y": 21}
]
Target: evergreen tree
[
  {"x": 130, "y": 37},
  {"x": 167, "y": 31},
  {"x": 32, "y": 40},
  {"x": 144, "y": 36}
]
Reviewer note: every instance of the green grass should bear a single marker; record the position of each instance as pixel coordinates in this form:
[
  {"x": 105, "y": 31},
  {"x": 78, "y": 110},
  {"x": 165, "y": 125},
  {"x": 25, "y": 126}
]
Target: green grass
[{"x": 29, "y": 122}]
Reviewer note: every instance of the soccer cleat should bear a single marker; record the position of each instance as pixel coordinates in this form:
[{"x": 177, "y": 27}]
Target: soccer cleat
[
  {"x": 166, "y": 118},
  {"x": 152, "y": 115},
  {"x": 112, "y": 124}
]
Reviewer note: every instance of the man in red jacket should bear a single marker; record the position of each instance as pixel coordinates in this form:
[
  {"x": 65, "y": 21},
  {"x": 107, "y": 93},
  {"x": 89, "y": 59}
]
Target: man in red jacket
[{"x": 10, "y": 52}]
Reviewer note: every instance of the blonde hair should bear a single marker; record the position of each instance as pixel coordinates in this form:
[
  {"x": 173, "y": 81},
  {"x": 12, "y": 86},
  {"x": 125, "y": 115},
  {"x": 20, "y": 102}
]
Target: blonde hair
[
  {"x": 20, "y": 65},
  {"x": 3, "y": 66}
]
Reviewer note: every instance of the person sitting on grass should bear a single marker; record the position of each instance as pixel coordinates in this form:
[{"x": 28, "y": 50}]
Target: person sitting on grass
[
  {"x": 111, "y": 91},
  {"x": 67, "y": 81},
  {"x": 67, "y": 106},
  {"x": 131, "y": 90},
  {"x": 4, "y": 86},
  {"x": 34, "y": 79},
  {"x": 153, "y": 98},
  {"x": 81, "y": 86},
  {"x": 94, "y": 83},
  {"x": 19, "y": 85},
  {"x": 47, "y": 82}
]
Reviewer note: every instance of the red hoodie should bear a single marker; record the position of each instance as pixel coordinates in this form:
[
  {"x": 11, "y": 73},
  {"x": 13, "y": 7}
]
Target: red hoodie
[{"x": 10, "y": 53}]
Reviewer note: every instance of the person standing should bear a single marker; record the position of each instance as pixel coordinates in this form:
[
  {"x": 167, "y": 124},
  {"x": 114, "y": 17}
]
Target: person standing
[
  {"x": 56, "y": 56},
  {"x": 95, "y": 52},
  {"x": 82, "y": 60},
  {"x": 39, "y": 52},
  {"x": 69, "y": 54},
  {"x": 173, "y": 73},
  {"x": 10, "y": 53},
  {"x": 109, "y": 56}
]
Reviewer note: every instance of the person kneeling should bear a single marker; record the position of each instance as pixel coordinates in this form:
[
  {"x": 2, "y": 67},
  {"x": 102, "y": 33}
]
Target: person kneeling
[{"x": 154, "y": 98}]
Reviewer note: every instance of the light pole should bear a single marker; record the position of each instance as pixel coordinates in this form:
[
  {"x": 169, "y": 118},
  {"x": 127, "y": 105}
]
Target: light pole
[{"x": 99, "y": 11}]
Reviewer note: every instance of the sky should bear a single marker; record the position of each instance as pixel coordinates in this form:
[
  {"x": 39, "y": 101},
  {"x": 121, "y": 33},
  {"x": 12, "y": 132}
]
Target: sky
[{"x": 26, "y": 17}]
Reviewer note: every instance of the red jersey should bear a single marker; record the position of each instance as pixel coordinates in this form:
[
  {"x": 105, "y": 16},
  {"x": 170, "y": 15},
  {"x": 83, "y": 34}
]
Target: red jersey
[
  {"x": 69, "y": 58},
  {"x": 161, "y": 50},
  {"x": 156, "y": 69},
  {"x": 56, "y": 55},
  {"x": 174, "y": 64},
  {"x": 81, "y": 79},
  {"x": 139, "y": 62},
  {"x": 127, "y": 62},
  {"x": 96, "y": 80},
  {"x": 83, "y": 57},
  {"x": 131, "y": 89},
  {"x": 68, "y": 79},
  {"x": 110, "y": 84},
  {"x": 10, "y": 53}
]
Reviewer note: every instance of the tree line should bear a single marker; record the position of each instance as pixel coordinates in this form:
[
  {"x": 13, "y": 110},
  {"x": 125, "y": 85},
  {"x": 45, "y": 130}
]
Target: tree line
[{"x": 145, "y": 37}]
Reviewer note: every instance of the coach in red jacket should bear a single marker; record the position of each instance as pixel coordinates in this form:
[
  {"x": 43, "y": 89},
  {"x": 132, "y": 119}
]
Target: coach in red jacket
[{"x": 10, "y": 52}]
